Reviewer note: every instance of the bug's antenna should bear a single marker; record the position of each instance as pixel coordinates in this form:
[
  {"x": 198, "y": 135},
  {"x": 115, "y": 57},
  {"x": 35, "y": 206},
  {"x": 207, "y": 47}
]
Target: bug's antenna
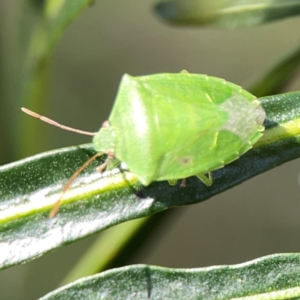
[
  {"x": 69, "y": 183},
  {"x": 52, "y": 122}
]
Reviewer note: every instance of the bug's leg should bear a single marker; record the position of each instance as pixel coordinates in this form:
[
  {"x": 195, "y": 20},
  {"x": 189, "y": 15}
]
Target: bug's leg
[
  {"x": 172, "y": 182},
  {"x": 102, "y": 167},
  {"x": 206, "y": 179},
  {"x": 109, "y": 164},
  {"x": 183, "y": 183},
  {"x": 112, "y": 163}
]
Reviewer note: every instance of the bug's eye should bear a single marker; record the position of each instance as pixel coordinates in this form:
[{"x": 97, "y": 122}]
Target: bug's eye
[{"x": 105, "y": 124}]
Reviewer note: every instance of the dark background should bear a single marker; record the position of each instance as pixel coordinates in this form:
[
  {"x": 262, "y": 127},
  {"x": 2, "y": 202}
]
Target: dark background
[{"x": 111, "y": 38}]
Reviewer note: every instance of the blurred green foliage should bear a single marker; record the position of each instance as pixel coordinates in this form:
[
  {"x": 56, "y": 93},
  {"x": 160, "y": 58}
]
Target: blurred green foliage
[{"x": 123, "y": 38}]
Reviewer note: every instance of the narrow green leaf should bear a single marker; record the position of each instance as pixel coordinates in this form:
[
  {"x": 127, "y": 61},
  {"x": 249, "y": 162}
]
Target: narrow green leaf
[
  {"x": 230, "y": 14},
  {"x": 268, "y": 278},
  {"x": 30, "y": 187}
]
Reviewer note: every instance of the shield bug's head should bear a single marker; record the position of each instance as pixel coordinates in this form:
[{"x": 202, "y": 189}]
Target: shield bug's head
[{"x": 104, "y": 139}]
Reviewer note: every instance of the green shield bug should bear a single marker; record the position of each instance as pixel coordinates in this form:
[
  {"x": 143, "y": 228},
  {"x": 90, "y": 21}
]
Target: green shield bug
[{"x": 173, "y": 126}]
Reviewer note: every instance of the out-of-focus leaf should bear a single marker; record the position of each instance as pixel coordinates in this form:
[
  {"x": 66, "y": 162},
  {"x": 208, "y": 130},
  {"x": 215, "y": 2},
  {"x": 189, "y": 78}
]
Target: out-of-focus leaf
[
  {"x": 229, "y": 13},
  {"x": 40, "y": 26},
  {"x": 30, "y": 187},
  {"x": 268, "y": 278},
  {"x": 276, "y": 80}
]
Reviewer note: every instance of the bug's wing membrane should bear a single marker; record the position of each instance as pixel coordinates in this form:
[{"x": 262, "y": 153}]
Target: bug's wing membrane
[
  {"x": 208, "y": 152},
  {"x": 220, "y": 143}
]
